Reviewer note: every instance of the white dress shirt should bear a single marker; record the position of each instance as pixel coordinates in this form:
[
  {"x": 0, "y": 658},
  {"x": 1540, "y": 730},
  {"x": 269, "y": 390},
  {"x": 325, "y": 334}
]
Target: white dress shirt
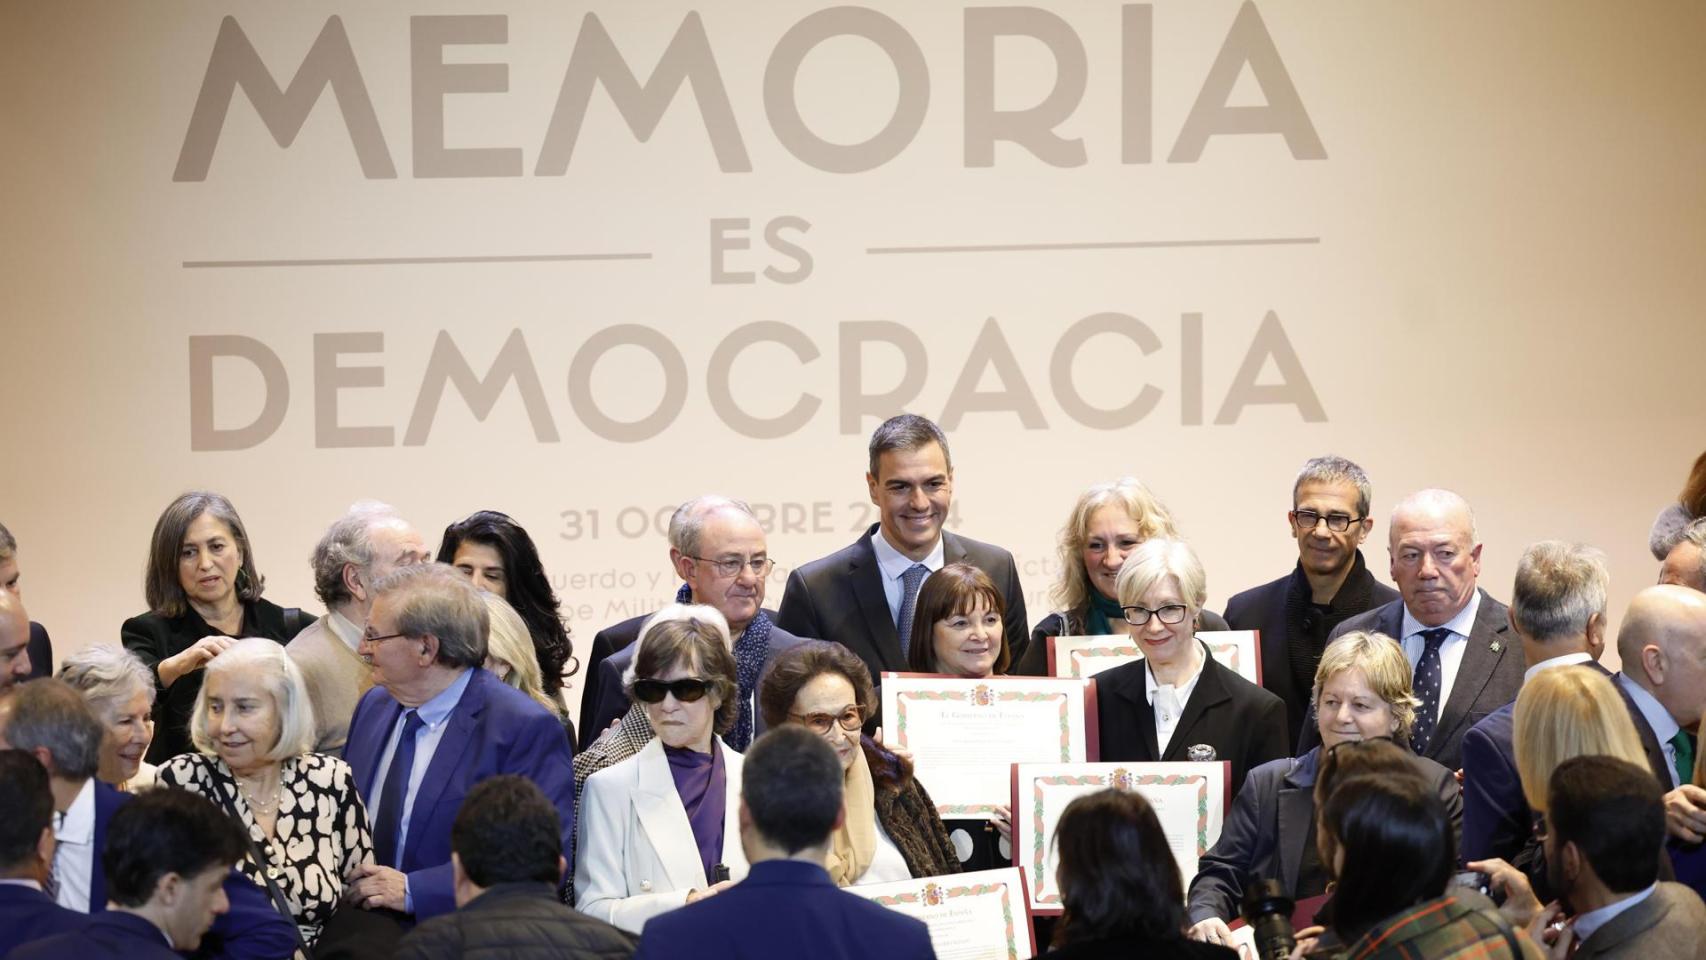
[
  {"x": 1663, "y": 724},
  {"x": 1450, "y": 650},
  {"x": 893, "y": 564},
  {"x": 1586, "y": 924},
  {"x": 1168, "y": 701},
  {"x": 74, "y": 860},
  {"x": 1567, "y": 660},
  {"x": 345, "y": 629}
]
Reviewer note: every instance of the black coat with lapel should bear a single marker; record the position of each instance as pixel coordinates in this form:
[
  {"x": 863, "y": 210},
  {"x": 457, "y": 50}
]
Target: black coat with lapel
[
  {"x": 840, "y": 597},
  {"x": 1242, "y": 722}
]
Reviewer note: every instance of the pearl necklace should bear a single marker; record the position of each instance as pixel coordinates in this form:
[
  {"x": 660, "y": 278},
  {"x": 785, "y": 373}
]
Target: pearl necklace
[{"x": 262, "y": 809}]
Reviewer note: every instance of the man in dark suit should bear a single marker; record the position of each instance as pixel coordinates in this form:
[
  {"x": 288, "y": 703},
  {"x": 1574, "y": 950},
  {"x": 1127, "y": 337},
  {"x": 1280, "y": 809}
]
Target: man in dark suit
[
  {"x": 863, "y": 595},
  {"x": 787, "y": 907},
  {"x": 1557, "y": 612},
  {"x": 169, "y": 854},
  {"x": 719, "y": 550},
  {"x": 433, "y": 726},
  {"x": 1456, "y": 637},
  {"x": 41, "y": 648},
  {"x": 1329, "y": 517},
  {"x": 52, "y": 722},
  {"x": 26, "y": 855},
  {"x": 1662, "y": 643}
]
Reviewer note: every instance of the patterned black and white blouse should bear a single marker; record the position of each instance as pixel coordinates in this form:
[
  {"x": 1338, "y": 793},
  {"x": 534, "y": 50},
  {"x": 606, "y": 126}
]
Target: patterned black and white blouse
[{"x": 319, "y": 835}]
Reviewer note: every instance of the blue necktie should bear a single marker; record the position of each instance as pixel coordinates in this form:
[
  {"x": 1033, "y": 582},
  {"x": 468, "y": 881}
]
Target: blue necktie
[
  {"x": 1428, "y": 679},
  {"x": 391, "y": 796},
  {"x": 909, "y": 582}
]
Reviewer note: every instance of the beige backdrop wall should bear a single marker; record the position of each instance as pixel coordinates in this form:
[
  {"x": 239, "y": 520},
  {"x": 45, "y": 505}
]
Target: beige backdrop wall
[{"x": 1459, "y": 243}]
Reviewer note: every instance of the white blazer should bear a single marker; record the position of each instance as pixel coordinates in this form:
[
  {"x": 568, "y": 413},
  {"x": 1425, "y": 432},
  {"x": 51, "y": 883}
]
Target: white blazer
[{"x": 636, "y": 856}]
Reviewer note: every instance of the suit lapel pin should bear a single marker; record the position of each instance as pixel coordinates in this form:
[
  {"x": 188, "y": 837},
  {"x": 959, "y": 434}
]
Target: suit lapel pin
[{"x": 1495, "y": 646}]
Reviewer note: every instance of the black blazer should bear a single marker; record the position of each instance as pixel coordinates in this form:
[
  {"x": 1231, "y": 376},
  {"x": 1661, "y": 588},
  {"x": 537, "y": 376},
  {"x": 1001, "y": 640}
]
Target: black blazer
[
  {"x": 1489, "y": 677},
  {"x": 1263, "y": 609},
  {"x": 41, "y": 652},
  {"x": 1035, "y": 661},
  {"x": 1172, "y": 948},
  {"x": 1242, "y": 722},
  {"x": 1265, "y": 832},
  {"x": 840, "y": 598},
  {"x": 153, "y": 638}
]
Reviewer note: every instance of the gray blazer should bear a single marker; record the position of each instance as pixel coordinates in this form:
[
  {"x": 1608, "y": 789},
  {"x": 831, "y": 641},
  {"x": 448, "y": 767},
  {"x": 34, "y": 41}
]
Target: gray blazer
[
  {"x": 1489, "y": 678},
  {"x": 1669, "y": 925}
]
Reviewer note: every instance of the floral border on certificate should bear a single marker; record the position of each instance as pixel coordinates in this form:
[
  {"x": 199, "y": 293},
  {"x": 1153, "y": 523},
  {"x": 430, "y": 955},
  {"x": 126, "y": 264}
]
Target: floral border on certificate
[
  {"x": 1228, "y": 654},
  {"x": 934, "y": 895},
  {"x": 981, "y": 696},
  {"x": 1119, "y": 780}
]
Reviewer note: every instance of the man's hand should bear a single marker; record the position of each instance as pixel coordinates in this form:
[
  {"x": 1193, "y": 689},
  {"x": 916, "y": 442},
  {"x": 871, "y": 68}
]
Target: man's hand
[
  {"x": 1685, "y": 813},
  {"x": 1520, "y": 906},
  {"x": 694, "y": 896},
  {"x": 1549, "y": 929},
  {"x": 1212, "y": 930},
  {"x": 375, "y": 887}
]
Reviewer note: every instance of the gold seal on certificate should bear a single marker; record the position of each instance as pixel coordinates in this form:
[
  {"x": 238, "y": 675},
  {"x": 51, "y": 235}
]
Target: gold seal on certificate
[
  {"x": 1189, "y": 799},
  {"x": 1237, "y": 650},
  {"x": 965, "y": 735},
  {"x": 971, "y": 916}
]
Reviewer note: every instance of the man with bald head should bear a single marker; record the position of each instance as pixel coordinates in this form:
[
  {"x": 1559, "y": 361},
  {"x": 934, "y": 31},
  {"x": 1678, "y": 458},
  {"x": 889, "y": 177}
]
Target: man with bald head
[
  {"x": 1685, "y": 564},
  {"x": 14, "y": 643},
  {"x": 1663, "y": 647},
  {"x": 1465, "y": 664},
  {"x": 718, "y": 549},
  {"x": 364, "y": 546}
]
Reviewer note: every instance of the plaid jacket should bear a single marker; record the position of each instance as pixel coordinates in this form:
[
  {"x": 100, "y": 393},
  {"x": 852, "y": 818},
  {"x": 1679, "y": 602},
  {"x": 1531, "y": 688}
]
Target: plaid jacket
[{"x": 1457, "y": 926}]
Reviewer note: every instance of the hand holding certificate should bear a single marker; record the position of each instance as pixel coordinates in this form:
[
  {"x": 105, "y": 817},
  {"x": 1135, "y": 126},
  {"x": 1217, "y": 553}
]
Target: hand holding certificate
[
  {"x": 972, "y": 916},
  {"x": 1189, "y": 799},
  {"x": 965, "y": 735},
  {"x": 1237, "y": 650}
]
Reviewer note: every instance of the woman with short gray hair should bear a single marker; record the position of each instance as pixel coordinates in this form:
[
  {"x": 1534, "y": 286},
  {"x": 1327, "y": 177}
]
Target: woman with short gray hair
[
  {"x": 253, "y": 726},
  {"x": 120, "y": 691}
]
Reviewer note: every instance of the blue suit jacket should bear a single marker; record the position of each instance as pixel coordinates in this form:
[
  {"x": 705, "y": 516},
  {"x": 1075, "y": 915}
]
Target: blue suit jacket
[
  {"x": 494, "y": 729},
  {"x": 107, "y": 802},
  {"x": 106, "y": 936},
  {"x": 784, "y": 910},
  {"x": 27, "y": 914}
]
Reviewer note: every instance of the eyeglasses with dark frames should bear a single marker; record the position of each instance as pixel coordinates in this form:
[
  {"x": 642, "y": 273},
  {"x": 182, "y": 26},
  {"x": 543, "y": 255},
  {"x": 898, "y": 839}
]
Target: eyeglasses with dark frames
[
  {"x": 1170, "y": 614},
  {"x": 1307, "y": 520},
  {"x": 686, "y": 690}
]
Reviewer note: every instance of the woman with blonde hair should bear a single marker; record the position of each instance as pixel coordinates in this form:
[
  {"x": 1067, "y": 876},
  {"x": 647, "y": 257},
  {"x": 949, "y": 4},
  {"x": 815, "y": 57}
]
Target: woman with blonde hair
[
  {"x": 511, "y": 658},
  {"x": 1108, "y": 521},
  {"x": 253, "y": 728},
  {"x": 1362, "y": 694},
  {"x": 1568, "y": 712}
]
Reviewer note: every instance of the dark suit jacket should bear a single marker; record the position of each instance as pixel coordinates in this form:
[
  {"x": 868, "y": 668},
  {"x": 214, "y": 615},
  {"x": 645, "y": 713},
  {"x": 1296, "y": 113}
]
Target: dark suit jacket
[
  {"x": 840, "y": 598},
  {"x": 1669, "y": 923},
  {"x": 41, "y": 654},
  {"x": 1265, "y": 832},
  {"x": 493, "y": 729},
  {"x": 1035, "y": 661},
  {"x": 613, "y": 704},
  {"x": 27, "y": 914},
  {"x": 107, "y": 802},
  {"x": 1496, "y": 819},
  {"x": 1263, "y": 609},
  {"x": 1487, "y": 679},
  {"x": 1242, "y": 722},
  {"x": 1172, "y": 948},
  {"x": 104, "y": 936},
  {"x": 516, "y": 921},
  {"x": 785, "y": 910}
]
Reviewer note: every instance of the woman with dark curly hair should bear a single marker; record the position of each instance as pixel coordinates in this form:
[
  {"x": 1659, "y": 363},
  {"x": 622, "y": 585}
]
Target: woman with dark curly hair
[
  {"x": 495, "y": 553},
  {"x": 892, "y": 831}
]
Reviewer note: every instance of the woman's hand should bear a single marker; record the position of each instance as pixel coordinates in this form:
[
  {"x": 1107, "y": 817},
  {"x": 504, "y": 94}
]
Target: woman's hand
[
  {"x": 898, "y": 751},
  {"x": 193, "y": 658},
  {"x": 694, "y": 896},
  {"x": 1004, "y": 822},
  {"x": 1307, "y": 938}
]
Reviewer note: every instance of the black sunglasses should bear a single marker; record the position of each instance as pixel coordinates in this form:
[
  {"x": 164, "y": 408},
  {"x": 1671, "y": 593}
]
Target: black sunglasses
[{"x": 686, "y": 690}]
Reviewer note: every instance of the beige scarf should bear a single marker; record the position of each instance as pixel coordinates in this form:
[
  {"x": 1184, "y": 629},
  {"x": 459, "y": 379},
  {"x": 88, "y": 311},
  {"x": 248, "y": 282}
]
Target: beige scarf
[{"x": 853, "y": 846}]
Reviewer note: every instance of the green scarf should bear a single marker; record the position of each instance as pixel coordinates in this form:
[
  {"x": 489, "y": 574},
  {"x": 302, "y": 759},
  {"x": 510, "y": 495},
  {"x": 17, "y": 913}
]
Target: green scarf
[{"x": 1103, "y": 614}]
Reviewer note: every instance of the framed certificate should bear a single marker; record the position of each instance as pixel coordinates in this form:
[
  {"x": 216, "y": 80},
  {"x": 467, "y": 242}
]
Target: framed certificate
[
  {"x": 1189, "y": 799},
  {"x": 1238, "y": 650},
  {"x": 972, "y": 916},
  {"x": 965, "y": 735}
]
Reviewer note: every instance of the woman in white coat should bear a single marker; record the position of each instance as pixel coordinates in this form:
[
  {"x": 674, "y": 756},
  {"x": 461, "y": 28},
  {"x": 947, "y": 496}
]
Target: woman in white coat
[{"x": 662, "y": 828}]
